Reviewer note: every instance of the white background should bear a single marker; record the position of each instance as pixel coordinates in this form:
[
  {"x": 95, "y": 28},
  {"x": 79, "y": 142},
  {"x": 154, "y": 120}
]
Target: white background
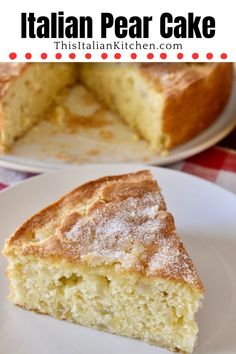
[{"x": 223, "y": 42}]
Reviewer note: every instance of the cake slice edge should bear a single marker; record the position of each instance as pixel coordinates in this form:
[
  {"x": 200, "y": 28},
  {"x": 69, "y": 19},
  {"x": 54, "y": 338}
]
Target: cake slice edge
[{"x": 60, "y": 282}]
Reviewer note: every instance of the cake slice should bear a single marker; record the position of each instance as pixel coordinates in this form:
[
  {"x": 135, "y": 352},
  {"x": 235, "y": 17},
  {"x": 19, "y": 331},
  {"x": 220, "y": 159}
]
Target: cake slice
[
  {"x": 165, "y": 103},
  {"x": 107, "y": 256},
  {"x": 26, "y": 93}
]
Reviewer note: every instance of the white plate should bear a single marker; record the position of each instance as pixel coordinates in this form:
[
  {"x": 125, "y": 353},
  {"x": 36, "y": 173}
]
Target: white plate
[
  {"x": 47, "y": 147},
  {"x": 206, "y": 218}
]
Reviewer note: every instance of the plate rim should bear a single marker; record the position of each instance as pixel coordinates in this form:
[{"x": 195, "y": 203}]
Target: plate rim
[{"x": 126, "y": 164}]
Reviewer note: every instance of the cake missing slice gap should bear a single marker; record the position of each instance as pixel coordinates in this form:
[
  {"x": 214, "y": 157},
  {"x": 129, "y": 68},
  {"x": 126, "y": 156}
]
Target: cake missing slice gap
[
  {"x": 107, "y": 256},
  {"x": 164, "y": 103}
]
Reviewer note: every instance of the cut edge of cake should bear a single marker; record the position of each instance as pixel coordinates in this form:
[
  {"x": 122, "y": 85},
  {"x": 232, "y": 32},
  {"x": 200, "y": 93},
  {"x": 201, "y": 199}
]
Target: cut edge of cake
[
  {"x": 107, "y": 256},
  {"x": 27, "y": 92},
  {"x": 179, "y": 99},
  {"x": 167, "y": 104}
]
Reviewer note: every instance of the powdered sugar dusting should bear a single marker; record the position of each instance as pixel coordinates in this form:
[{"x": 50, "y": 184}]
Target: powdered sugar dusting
[
  {"x": 138, "y": 233},
  {"x": 173, "y": 260},
  {"x": 121, "y": 226}
]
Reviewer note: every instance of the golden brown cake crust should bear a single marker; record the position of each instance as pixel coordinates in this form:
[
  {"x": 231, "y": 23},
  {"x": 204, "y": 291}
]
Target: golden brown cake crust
[
  {"x": 119, "y": 221},
  {"x": 8, "y": 72},
  {"x": 195, "y": 95}
]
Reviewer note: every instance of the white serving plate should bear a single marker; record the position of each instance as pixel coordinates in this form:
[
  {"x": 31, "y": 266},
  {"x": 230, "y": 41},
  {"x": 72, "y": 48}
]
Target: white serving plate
[{"x": 205, "y": 216}]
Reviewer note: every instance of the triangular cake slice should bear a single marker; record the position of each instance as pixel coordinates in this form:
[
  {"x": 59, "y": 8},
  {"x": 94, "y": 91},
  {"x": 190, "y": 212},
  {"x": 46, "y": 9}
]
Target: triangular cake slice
[{"x": 107, "y": 256}]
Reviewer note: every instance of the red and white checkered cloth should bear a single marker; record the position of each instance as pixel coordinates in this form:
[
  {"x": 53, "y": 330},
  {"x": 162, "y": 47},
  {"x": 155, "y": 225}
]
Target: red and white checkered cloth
[{"x": 216, "y": 164}]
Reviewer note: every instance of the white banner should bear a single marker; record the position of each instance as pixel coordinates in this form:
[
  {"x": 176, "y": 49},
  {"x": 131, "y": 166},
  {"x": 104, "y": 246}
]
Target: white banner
[{"x": 117, "y": 31}]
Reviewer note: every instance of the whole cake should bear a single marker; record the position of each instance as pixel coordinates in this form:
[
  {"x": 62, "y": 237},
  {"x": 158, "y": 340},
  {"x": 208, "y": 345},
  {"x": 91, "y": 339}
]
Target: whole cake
[
  {"x": 165, "y": 103},
  {"x": 107, "y": 256}
]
